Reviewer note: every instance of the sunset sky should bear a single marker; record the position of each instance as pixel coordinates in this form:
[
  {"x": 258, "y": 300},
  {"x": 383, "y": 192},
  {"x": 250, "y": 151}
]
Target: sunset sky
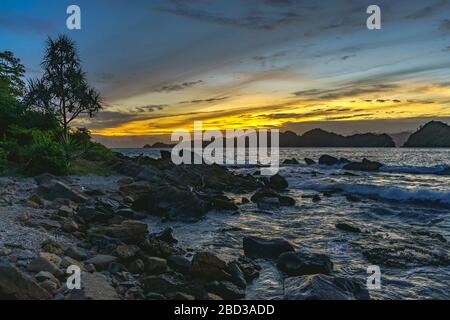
[{"x": 289, "y": 64}]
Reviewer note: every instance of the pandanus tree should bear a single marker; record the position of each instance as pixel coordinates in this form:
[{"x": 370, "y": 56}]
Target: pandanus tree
[{"x": 63, "y": 90}]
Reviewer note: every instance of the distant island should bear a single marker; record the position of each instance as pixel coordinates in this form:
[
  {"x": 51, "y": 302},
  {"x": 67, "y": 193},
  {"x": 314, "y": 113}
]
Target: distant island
[
  {"x": 434, "y": 134},
  {"x": 319, "y": 138}
]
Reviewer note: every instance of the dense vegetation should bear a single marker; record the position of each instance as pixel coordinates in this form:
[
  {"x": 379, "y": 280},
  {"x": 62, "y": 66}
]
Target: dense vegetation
[
  {"x": 35, "y": 136},
  {"x": 434, "y": 134}
]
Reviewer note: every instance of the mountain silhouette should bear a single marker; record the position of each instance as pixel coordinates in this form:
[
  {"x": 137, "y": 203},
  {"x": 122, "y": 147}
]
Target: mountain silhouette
[{"x": 434, "y": 134}]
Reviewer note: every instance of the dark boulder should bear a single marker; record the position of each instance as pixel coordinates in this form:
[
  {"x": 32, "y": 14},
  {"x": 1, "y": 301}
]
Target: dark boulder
[
  {"x": 59, "y": 190},
  {"x": 309, "y": 161},
  {"x": 291, "y": 161},
  {"x": 278, "y": 183},
  {"x": 304, "y": 263},
  {"x": 226, "y": 290},
  {"x": 365, "y": 165},
  {"x": 166, "y": 235},
  {"x": 328, "y": 160},
  {"x": 323, "y": 287},
  {"x": 179, "y": 263},
  {"x": 265, "y": 248},
  {"x": 347, "y": 227}
]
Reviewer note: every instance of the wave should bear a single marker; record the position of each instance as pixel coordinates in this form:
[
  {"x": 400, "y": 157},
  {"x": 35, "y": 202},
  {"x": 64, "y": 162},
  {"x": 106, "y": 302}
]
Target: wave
[
  {"x": 438, "y": 170},
  {"x": 419, "y": 195}
]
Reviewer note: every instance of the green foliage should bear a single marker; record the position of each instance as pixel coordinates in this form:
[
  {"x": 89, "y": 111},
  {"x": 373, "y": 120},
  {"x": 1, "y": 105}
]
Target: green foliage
[
  {"x": 45, "y": 155},
  {"x": 3, "y": 161},
  {"x": 11, "y": 74}
]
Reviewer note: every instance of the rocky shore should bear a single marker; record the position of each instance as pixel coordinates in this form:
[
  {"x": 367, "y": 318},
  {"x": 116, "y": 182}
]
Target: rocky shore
[{"x": 49, "y": 223}]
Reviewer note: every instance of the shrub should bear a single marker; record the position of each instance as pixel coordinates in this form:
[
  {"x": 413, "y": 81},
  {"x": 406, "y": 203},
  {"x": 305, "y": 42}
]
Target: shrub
[
  {"x": 45, "y": 155},
  {"x": 3, "y": 161}
]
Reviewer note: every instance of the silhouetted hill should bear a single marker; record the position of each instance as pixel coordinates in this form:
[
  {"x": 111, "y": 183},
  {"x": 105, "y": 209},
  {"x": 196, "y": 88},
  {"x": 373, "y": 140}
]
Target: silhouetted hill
[
  {"x": 434, "y": 134},
  {"x": 321, "y": 138}
]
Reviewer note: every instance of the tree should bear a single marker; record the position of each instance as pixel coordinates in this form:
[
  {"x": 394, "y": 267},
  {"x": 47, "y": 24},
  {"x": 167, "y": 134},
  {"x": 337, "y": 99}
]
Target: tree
[
  {"x": 11, "y": 74},
  {"x": 63, "y": 90}
]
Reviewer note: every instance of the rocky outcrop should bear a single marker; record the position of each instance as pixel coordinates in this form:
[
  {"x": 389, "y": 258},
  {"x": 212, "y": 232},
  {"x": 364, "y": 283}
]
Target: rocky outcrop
[{"x": 365, "y": 165}]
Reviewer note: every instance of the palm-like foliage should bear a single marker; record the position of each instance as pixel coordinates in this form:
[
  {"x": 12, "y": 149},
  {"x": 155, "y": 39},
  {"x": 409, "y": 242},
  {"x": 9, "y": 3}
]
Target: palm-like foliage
[{"x": 63, "y": 90}]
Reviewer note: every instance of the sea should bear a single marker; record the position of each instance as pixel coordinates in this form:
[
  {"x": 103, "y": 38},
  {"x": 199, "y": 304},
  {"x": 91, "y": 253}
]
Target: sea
[{"x": 403, "y": 211}]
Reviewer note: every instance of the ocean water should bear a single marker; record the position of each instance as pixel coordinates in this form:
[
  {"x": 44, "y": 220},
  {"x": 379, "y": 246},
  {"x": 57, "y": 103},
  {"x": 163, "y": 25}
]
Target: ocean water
[{"x": 406, "y": 206}]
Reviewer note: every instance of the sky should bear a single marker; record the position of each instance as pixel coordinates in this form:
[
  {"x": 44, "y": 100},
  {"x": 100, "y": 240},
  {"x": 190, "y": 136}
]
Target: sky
[{"x": 287, "y": 64}]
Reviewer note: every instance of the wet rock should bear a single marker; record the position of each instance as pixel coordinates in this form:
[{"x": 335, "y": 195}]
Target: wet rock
[
  {"x": 164, "y": 283},
  {"x": 101, "y": 261},
  {"x": 226, "y": 290},
  {"x": 158, "y": 248},
  {"x": 245, "y": 200},
  {"x": 286, "y": 201},
  {"x": 265, "y": 248},
  {"x": 114, "y": 268},
  {"x": 94, "y": 286},
  {"x": 57, "y": 189},
  {"x": 130, "y": 231},
  {"x": 166, "y": 235},
  {"x": 207, "y": 265},
  {"x": 268, "y": 203},
  {"x": 347, "y": 227},
  {"x": 154, "y": 265},
  {"x": 309, "y": 161},
  {"x": 76, "y": 253},
  {"x": 352, "y": 198},
  {"x": 68, "y": 261},
  {"x": 316, "y": 198},
  {"x": 278, "y": 183},
  {"x": 365, "y": 165},
  {"x": 291, "y": 161},
  {"x": 223, "y": 205},
  {"x": 50, "y": 286},
  {"x": 249, "y": 268},
  {"x": 323, "y": 287},
  {"x": 46, "y": 262},
  {"x": 15, "y": 285},
  {"x": 237, "y": 275},
  {"x": 93, "y": 215},
  {"x": 328, "y": 160},
  {"x": 126, "y": 213},
  {"x": 46, "y": 276},
  {"x": 304, "y": 263}
]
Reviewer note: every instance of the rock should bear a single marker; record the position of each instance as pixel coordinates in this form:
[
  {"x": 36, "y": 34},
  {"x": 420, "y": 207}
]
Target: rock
[
  {"x": 365, "y": 165},
  {"x": 126, "y": 213},
  {"x": 264, "y": 193},
  {"x": 352, "y": 198},
  {"x": 309, "y": 161},
  {"x": 286, "y": 201},
  {"x": 212, "y": 297},
  {"x": 47, "y": 224},
  {"x": 268, "y": 203},
  {"x": 57, "y": 189},
  {"x": 51, "y": 246},
  {"x": 265, "y": 248},
  {"x": 226, "y": 290},
  {"x": 44, "y": 276},
  {"x": 92, "y": 215},
  {"x": 130, "y": 231},
  {"x": 347, "y": 227},
  {"x": 278, "y": 183},
  {"x": 94, "y": 286},
  {"x": 101, "y": 261},
  {"x": 180, "y": 296},
  {"x": 136, "y": 188},
  {"x": 46, "y": 262},
  {"x": 50, "y": 286},
  {"x": 66, "y": 211},
  {"x": 291, "y": 161},
  {"x": 68, "y": 261},
  {"x": 70, "y": 226},
  {"x": 158, "y": 248},
  {"x": 328, "y": 160},
  {"x": 127, "y": 252},
  {"x": 179, "y": 263},
  {"x": 209, "y": 266},
  {"x": 15, "y": 285},
  {"x": 304, "y": 263},
  {"x": 237, "y": 276},
  {"x": 245, "y": 200},
  {"x": 36, "y": 200},
  {"x": 164, "y": 283},
  {"x": 76, "y": 253},
  {"x": 114, "y": 268},
  {"x": 90, "y": 268},
  {"x": 323, "y": 287},
  {"x": 316, "y": 198},
  {"x": 249, "y": 268},
  {"x": 223, "y": 205},
  {"x": 166, "y": 235},
  {"x": 154, "y": 265},
  {"x": 172, "y": 203},
  {"x": 136, "y": 267}
]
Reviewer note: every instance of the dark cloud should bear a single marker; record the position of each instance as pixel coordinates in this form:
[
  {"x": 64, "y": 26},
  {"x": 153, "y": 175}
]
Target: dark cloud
[
  {"x": 429, "y": 10},
  {"x": 179, "y": 86},
  {"x": 351, "y": 90},
  {"x": 150, "y": 108},
  {"x": 445, "y": 25},
  {"x": 210, "y": 100}
]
